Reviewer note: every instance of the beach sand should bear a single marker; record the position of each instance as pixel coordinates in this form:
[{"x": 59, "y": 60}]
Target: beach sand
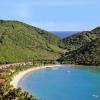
[{"x": 21, "y": 74}]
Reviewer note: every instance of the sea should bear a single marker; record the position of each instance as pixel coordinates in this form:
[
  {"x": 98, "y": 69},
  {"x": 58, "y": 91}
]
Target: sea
[
  {"x": 63, "y": 83},
  {"x": 63, "y": 34}
]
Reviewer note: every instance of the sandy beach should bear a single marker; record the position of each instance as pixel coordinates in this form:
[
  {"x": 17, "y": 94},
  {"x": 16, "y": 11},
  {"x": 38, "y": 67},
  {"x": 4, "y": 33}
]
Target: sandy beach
[{"x": 21, "y": 74}]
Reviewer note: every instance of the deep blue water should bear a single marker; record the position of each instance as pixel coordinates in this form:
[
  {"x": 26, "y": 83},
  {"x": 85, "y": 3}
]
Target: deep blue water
[
  {"x": 63, "y": 83},
  {"x": 64, "y": 34}
]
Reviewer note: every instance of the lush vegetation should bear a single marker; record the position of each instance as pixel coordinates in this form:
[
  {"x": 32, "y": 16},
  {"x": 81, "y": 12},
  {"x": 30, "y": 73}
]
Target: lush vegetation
[
  {"x": 7, "y": 92},
  {"x": 84, "y": 48},
  {"x": 22, "y": 42}
]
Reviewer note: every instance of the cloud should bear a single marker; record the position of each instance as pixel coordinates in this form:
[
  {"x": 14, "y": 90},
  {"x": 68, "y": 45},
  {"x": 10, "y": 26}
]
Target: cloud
[{"x": 23, "y": 12}]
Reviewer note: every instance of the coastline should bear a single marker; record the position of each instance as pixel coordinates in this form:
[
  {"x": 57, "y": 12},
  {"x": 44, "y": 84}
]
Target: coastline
[{"x": 16, "y": 78}]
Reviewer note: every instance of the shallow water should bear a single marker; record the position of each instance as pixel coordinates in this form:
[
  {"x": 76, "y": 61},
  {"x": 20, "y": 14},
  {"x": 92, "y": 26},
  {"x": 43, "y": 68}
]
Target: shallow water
[{"x": 62, "y": 83}]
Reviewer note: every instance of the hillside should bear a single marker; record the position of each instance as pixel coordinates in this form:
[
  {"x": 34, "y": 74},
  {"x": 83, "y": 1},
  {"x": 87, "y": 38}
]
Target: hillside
[
  {"x": 20, "y": 42},
  {"x": 88, "y": 53},
  {"x": 77, "y": 40}
]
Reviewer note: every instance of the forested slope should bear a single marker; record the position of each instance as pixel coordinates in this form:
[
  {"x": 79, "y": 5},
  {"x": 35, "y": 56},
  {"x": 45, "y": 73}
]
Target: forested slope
[
  {"x": 20, "y": 42},
  {"x": 84, "y": 48}
]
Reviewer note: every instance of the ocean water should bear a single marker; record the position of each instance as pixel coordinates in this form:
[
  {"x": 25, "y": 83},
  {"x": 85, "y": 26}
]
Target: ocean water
[
  {"x": 62, "y": 83},
  {"x": 63, "y": 34}
]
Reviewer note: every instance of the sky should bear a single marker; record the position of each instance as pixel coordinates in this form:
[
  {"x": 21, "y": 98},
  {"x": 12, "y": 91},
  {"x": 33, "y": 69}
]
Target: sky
[{"x": 53, "y": 15}]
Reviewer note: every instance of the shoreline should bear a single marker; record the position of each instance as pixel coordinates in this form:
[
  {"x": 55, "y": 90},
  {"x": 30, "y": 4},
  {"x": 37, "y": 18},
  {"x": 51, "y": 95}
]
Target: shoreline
[{"x": 16, "y": 78}]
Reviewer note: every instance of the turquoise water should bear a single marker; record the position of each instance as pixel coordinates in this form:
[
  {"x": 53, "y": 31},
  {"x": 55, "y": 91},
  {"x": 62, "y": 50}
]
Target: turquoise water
[{"x": 63, "y": 83}]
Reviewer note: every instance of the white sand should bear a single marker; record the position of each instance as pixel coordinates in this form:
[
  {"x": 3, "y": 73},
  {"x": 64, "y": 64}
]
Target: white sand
[{"x": 21, "y": 74}]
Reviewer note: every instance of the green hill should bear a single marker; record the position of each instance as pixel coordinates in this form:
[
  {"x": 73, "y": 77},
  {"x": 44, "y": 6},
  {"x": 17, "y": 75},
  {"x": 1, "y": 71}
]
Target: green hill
[
  {"x": 87, "y": 53},
  {"x": 77, "y": 40},
  {"x": 20, "y": 42}
]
